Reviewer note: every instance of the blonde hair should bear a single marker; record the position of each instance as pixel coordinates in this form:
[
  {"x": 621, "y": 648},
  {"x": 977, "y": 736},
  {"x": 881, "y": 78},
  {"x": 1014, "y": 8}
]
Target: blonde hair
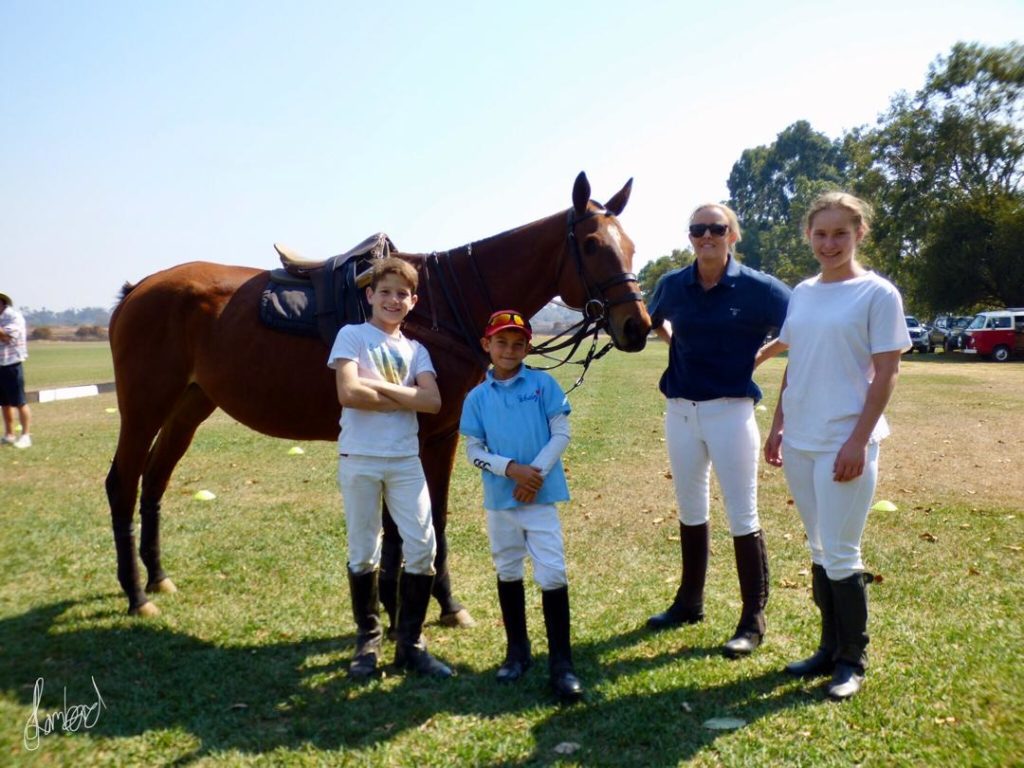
[
  {"x": 730, "y": 216},
  {"x": 859, "y": 210},
  {"x": 392, "y": 265}
]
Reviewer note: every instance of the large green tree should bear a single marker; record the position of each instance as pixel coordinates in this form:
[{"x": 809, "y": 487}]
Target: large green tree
[
  {"x": 770, "y": 186},
  {"x": 950, "y": 154},
  {"x": 975, "y": 255},
  {"x": 653, "y": 270}
]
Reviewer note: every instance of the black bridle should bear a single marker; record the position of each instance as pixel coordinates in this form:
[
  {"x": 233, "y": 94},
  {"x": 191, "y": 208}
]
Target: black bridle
[{"x": 595, "y": 310}]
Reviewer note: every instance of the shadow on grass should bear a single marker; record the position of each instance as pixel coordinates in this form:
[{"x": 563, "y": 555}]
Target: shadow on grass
[{"x": 261, "y": 697}]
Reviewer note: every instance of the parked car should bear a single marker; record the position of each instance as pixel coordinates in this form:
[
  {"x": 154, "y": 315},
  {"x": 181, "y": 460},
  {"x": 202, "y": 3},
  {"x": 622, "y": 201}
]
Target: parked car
[
  {"x": 998, "y": 334},
  {"x": 918, "y": 335},
  {"x": 946, "y": 331}
]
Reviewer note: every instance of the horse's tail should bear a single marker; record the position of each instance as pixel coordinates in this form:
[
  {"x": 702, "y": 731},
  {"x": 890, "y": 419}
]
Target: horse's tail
[{"x": 125, "y": 290}]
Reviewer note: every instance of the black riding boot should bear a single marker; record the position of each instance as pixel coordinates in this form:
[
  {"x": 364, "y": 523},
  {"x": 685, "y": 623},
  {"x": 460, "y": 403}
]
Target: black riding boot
[
  {"x": 688, "y": 607},
  {"x": 822, "y": 661},
  {"x": 411, "y": 652},
  {"x": 512, "y": 598},
  {"x": 564, "y": 682},
  {"x": 752, "y": 567},
  {"x": 850, "y": 598},
  {"x": 365, "y": 611}
]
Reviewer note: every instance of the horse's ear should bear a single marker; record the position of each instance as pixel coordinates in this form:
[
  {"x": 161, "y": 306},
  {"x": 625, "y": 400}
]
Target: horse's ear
[
  {"x": 619, "y": 200},
  {"x": 581, "y": 194}
]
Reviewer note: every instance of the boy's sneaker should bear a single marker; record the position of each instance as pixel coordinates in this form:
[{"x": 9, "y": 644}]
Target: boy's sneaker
[
  {"x": 25, "y": 441},
  {"x": 5, "y": 440}
]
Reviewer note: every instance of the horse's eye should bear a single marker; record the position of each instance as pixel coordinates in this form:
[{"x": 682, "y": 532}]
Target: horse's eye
[{"x": 589, "y": 246}]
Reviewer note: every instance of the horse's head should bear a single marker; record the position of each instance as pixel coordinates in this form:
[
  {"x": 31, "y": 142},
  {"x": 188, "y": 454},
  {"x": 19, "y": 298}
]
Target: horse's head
[{"x": 597, "y": 277}]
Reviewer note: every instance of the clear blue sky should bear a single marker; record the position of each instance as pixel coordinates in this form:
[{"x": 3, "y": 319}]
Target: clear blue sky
[{"x": 138, "y": 135}]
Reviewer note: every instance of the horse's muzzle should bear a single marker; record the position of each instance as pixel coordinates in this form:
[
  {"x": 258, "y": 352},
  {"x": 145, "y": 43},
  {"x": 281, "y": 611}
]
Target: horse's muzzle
[{"x": 631, "y": 335}]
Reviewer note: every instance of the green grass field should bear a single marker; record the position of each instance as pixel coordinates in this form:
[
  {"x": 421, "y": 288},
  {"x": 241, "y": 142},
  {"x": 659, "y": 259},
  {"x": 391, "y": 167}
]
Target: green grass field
[
  {"x": 61, "y": 364},
  {"x": 246, "y": 664}
]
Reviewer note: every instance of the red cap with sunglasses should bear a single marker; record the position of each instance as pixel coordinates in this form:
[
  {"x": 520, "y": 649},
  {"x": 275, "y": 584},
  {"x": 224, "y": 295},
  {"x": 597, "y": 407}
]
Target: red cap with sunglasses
[{"x": 504, "y": 319}]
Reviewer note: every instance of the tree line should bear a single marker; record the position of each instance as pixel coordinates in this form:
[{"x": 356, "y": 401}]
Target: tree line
[
  {"x": 36, "y": 318},
  {"x": 943, "y": 169}
]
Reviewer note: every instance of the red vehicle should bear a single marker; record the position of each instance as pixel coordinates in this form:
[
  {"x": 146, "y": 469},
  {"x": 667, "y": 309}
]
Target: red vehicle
[{"x": 998, "y": 334}]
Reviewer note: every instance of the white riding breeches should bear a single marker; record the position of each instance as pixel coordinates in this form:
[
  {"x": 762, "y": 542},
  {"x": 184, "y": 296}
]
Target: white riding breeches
[
  {"x": 721, "y": 433},
  {"x": 531, "y": 529},
  {"x": 367, "y": 480},
  {"x": 834, "y": 514}
]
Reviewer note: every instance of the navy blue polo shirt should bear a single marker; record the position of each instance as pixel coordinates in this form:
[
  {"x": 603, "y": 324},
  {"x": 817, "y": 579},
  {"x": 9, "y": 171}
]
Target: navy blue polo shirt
[{"x": 716, "y": 333}]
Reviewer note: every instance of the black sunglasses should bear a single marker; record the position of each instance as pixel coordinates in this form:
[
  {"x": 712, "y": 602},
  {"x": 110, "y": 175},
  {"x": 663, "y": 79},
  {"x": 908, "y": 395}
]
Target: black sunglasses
[{"x": 717, "y": 230}]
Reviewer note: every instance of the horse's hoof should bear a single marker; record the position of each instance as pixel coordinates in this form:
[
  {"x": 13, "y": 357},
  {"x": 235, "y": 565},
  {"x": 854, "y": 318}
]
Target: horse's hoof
[
  {"x": 164, "y": 586},
  {"x": 460, "y": 619},
  {"x": 147, "y": 610}
]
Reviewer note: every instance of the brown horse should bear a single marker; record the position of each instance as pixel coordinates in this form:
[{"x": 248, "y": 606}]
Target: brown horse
[{"x": 187, "y": 340}]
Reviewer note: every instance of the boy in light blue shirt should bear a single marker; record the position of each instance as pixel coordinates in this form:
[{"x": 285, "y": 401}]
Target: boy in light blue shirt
[{"x": 516, "y": 424}]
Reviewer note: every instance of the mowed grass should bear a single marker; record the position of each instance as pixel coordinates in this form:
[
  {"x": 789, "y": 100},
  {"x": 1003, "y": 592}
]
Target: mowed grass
[
  {"x": 246, "y": 664},
  {"x": 66, "y": 363}
]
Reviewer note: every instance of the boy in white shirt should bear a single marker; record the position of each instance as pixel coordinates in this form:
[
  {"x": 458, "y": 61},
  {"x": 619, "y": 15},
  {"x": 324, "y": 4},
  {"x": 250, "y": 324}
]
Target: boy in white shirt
[{"x": 384, "y": 379}]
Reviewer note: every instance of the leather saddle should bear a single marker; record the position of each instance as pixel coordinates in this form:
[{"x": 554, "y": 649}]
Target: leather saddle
[{"x": 316, "y": 298}]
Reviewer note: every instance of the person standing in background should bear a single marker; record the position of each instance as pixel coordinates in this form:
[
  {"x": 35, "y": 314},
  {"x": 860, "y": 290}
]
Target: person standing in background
[{"x": 13, "y": 351}]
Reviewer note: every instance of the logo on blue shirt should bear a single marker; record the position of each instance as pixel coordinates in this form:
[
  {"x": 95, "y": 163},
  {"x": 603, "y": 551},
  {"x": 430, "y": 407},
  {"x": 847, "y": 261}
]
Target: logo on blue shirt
[{"x": 532, "y": 397}]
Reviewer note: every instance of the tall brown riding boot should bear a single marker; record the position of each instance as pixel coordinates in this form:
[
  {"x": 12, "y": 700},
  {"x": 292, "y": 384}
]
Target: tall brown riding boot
[
  {"x": 688, "y": 606},
  {"x": 752, "y": 567}
]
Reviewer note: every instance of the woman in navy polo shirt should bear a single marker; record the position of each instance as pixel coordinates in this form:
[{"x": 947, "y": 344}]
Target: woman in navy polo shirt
[{"x": 715, "y": 315}]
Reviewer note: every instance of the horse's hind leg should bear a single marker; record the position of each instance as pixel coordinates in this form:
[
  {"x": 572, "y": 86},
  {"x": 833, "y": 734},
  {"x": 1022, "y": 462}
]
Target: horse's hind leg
[
  {"x": 138, "y": 428},
  {"x": 192, "y": 408},
  {"x": 122, "y": 486}
]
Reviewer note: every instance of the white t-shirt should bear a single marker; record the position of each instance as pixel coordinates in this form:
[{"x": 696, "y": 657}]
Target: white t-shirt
[
  {"x": 832, "y": 330},
  {"x": 395, "y": 359}
]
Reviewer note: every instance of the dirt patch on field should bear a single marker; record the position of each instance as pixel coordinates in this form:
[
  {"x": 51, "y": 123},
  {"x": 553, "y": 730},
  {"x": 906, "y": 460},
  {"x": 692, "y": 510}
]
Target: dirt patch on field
[
  {"x": 957, "y": 436},
  {"x": 958, "y": 433}
]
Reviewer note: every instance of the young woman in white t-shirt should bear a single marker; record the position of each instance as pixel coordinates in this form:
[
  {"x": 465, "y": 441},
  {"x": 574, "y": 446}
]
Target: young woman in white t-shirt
[{"x": 845, "y": 332}]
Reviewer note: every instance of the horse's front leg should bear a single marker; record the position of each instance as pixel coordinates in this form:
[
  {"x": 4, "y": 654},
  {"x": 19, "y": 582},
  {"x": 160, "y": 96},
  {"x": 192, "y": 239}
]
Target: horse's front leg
[{"x": 438, "y": 457}]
